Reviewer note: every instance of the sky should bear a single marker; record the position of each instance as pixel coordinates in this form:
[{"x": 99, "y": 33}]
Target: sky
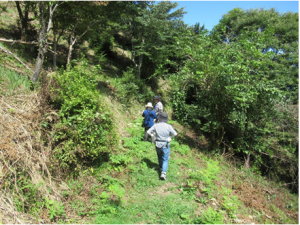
[{"x": 209, "y": 13}]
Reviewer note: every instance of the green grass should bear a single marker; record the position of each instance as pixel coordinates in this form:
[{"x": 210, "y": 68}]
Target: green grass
[
  {"x": 147, "y": 208},
  {"x": 192, "y": 185},
  {"x": 11, "y": 81}
]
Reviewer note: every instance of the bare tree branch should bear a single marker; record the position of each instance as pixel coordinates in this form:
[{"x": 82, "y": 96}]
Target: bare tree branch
[
  {"x": 8, "y": 52},
  {"x": 191, "y": 58},
  {"x": 18, "y": 41}
]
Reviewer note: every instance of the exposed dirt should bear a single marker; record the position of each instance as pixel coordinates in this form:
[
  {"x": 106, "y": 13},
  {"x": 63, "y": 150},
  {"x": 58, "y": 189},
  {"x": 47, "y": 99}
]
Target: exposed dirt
[{"x": 163, "y": 190}]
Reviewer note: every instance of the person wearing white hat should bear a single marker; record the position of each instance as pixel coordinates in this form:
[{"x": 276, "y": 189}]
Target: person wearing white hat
[{"x": 148, "y": 122}]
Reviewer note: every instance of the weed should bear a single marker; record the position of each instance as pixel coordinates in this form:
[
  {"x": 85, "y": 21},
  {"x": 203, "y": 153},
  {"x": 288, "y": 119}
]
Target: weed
[
  {"x": 55, "y": 209},
  {"x": 188, "y": 193},
  {"x": 210, "y": 216},
  {"x": 181, "y": 149},
  {"x": 121, "y": 159},
  {"x": 158, "y": 210},
  {"x": 226, "y": 191},
  {"x": 13, "y": 80},
  {"x": 202, "y": 200},
  {"x": 231, "y": 204},
  {"x": 117, "y": 191}
]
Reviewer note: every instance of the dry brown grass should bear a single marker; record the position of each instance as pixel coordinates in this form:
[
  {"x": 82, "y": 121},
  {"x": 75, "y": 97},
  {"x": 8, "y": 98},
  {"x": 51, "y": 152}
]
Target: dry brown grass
[
  {"x": 256, "y": 194},
  {"x": 22, "y": 150}
]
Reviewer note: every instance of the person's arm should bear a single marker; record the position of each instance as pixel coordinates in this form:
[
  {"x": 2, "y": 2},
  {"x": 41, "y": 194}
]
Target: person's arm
[
  {"x": 151, "y": 130},
  {"x": 172, "y": 132},
  {"x": 154, "y": 115},
  {"x": 159, "y": 108},
  {"x": 143, "y": 115},
  {"x": 156, "y": 109}
]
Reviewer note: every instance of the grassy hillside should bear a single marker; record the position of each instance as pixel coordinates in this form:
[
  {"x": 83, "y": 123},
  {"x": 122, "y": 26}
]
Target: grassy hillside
[
  {"x": 123, "y": 187},
  {"x": 200, "y": 188}
]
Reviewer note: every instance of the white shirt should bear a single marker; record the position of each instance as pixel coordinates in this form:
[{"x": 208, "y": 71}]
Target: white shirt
[
  {"x": 158, "y": 108},
  {"x": 163, "y": 131}
]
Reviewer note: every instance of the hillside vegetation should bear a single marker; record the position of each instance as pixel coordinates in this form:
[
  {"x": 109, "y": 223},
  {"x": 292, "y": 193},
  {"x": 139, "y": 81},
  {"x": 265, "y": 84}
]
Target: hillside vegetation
[{"x": 71, "y": 140}]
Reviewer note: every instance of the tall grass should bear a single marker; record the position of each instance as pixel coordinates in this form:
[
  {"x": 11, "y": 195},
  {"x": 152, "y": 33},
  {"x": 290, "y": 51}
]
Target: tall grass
[{"x": 11, "y": 81}]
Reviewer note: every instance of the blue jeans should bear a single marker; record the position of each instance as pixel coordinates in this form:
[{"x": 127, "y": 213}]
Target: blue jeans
[{"x": 163, "y": 157}]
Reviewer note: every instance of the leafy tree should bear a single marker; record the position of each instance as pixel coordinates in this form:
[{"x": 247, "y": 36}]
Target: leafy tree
[
  {"x": 60, "y": 23},
  {"x": 79, "y": 20},
  {"x": 282, "y": 45},
  {"x": 199, "y": 30},
  {"x": 231, "y": 97},
  {"x": 24, "y": 8},
  {"x": 146, "y": 24}
]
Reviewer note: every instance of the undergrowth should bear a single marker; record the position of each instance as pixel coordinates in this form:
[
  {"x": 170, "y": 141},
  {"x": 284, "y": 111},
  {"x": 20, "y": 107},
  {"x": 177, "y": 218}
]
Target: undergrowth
[
  {"x": 86, "y": 127},
  {"x": 12, "y": 82},
  {"x": 124, "y": 186}
]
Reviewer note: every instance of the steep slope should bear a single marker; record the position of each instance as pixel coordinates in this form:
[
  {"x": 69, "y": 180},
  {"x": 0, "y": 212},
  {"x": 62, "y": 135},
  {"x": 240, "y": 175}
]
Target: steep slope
[{"x": 201, "y": 187}]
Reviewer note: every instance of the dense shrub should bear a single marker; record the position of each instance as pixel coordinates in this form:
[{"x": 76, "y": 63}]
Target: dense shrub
[
  {"x": 130, "y": 89},
  {"x": 226, "y": 95},
  {"x": 86, "y": 128}
]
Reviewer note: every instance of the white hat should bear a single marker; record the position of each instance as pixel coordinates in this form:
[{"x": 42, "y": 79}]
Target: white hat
[{"x": 149, "y": 105}]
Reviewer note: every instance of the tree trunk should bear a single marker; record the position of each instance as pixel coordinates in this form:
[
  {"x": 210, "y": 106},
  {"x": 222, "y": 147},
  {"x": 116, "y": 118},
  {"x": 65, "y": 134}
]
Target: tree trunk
[
  {"x": 141, "y": 56},
  {"x": 73, "y": 41},
  {"x": 140, "y": 66},
  {"x": 70, "y": 53},
  {"x": 23, "y": 22},
  {"x": 55, "y": 42},
  {"x": 24, "y": 19},
  {"x": 54, "y": 49},
  {"x": 221, "y": 134},
  {"x": 38, "y": 65},
  {"x": 42, "y": 48},
  {"x": 212, "y": 136},
  {"x": 42, "y": 40},
  {"x": 247, "y": 161}
]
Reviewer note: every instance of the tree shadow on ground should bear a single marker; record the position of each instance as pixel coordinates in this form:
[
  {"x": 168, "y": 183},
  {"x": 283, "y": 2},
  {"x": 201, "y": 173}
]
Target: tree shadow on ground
[
  {"x": 152, "y": 165},
  {"x": 191, "y": 139},
  {"x": 106, "y": 88}
]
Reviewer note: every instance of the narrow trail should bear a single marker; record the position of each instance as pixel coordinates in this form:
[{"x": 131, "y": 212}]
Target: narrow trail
[{"x": 197, "y": 190}]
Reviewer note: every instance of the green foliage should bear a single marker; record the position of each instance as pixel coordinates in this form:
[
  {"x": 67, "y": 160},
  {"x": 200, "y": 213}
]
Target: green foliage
[
  {"x": 224, "y": 92},
  {"x": 12, "y": 81},
  {"x": 30, "y": 200},
  {"x": 281, "y": 46},
  {"x": 180, "y": 148},
  {"x": 156, "y": 210},
  {"x": 152, "y": 27},
  {"x": 130, "y": 89},
  {"x": 86, "y": 128},
  {"x": 231, "y": 204},
  {"x": 207, "y": 175},
  {"x": 120, "y": 160},
  {"x": 55, "y": 209},
  {"x": 189, "y": 191},
  {"x": 210, "y": 216},
  {"x": 179, "y": 106}
]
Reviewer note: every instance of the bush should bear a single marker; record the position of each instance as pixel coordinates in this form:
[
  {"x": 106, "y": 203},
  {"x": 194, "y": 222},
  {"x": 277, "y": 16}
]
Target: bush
[
  {"x": 86, "y": 128},
  {"x": 130, "y": 89}
]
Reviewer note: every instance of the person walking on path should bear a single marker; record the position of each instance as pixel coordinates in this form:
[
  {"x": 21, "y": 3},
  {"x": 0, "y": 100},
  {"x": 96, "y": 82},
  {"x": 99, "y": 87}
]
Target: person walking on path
[
  {"x": 158, "y": 105},
  {"x": 149, "y": 115},
  {"x": 164, "y": 133}
]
